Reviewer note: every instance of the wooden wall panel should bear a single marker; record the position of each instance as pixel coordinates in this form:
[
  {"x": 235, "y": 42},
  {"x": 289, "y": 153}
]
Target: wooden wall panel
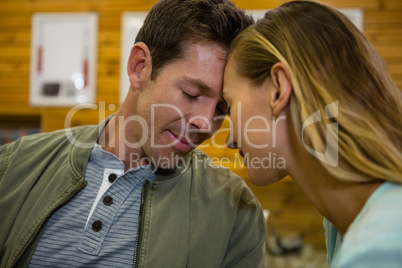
[
  {"x": 390, "y": 5},
  {"x": 290, "y": 210}
]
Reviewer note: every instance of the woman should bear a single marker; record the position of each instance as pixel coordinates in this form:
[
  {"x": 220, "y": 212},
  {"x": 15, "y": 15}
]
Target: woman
[{"x": 305, "y": 87}]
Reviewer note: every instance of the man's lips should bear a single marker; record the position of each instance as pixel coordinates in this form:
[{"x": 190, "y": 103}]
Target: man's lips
[{"x": 184, "y": 139}]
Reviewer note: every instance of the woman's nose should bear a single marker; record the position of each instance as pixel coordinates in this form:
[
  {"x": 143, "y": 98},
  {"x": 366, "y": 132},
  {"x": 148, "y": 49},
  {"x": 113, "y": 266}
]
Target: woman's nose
[{"x": 230, "y": 143}]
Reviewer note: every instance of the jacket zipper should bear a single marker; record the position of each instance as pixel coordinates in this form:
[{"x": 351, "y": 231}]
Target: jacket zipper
[
  {"x": 140, "y": 222},
  {"x": 35, "y": 234}
]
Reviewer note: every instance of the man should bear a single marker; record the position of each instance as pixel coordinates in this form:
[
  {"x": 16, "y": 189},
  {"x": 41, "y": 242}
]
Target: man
[{"x": 132, "y": 191}]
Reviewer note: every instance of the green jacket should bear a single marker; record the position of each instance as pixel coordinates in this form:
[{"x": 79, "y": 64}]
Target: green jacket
[{"x": 199, "y": 216}]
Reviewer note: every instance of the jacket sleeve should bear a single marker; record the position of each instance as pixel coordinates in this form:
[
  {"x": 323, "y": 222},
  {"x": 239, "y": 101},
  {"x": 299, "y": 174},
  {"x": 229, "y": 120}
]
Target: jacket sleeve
[
  {"x": 7, "y": 221},
  {"x": 4, "y": 155},
  {"x": 247, "y": 244}
]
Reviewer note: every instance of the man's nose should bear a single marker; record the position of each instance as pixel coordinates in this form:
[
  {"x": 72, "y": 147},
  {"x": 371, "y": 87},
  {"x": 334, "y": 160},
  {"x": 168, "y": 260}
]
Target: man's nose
[{"x": 204, "y": 119}]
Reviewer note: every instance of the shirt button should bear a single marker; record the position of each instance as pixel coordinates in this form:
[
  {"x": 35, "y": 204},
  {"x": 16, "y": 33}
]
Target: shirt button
[
  {"x": 112, "y": 178},
  {"x": 97, "y": 226},
  {"x": 107, "y": 200}
]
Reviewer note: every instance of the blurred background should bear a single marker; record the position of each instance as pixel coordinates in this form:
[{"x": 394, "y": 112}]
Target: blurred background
[{"x": 296, "y": 236}]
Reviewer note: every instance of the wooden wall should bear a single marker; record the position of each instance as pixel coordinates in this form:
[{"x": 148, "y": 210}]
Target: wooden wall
[{"x": 290, "y": 211}]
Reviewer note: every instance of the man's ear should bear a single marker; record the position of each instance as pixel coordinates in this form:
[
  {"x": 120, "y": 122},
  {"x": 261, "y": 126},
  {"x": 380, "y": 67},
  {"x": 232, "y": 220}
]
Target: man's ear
[
  {"x": 139, "y": 64},
  {"x": 282, "y": 87}
]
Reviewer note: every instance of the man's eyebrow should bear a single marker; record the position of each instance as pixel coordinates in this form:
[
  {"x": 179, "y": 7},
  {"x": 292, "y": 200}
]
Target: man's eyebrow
[{"x": 201, "y": 85}]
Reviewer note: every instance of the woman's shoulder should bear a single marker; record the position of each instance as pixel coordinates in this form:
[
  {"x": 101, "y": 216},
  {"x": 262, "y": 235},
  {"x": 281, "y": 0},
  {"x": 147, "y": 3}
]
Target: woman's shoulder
[
  {"x": 381, "y": 216},
  {"x": 375, "y": 237}
]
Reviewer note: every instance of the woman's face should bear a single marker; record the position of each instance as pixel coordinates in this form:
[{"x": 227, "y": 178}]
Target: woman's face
[{"x": 254, "y": 131}]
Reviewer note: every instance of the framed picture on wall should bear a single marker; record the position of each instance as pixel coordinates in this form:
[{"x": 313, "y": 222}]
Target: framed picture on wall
[
  {"x": 63, "y": 59},
  {"x": 355, "y": 15},
  {"x": 131, "y": 23}
]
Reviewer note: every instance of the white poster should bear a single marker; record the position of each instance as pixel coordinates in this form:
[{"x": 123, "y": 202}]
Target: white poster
[
  {"x": 63, "y": 59},
  {"x": 130, "y": 25}
]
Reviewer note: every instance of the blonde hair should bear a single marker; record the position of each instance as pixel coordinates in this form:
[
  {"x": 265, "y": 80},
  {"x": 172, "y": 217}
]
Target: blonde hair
[{"x": 330, "y": 61}]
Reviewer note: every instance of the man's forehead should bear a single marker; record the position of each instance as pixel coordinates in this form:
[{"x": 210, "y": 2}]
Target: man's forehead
[{"x": 222, "y": 53}]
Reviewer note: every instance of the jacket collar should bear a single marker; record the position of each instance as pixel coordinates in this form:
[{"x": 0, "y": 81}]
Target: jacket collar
[{"x": 83, "y": 142}]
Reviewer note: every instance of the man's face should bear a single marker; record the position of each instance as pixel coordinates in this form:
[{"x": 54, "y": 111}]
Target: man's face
[{"x": 183, "y": 106}]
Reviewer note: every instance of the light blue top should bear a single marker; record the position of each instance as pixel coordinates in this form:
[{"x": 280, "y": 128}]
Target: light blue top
[{"x": 374, "y": 239}]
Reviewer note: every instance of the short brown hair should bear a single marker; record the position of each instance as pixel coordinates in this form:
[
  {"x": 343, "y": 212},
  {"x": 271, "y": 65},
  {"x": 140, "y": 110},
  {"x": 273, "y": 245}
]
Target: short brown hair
[{"x": 171, "y": 24}]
